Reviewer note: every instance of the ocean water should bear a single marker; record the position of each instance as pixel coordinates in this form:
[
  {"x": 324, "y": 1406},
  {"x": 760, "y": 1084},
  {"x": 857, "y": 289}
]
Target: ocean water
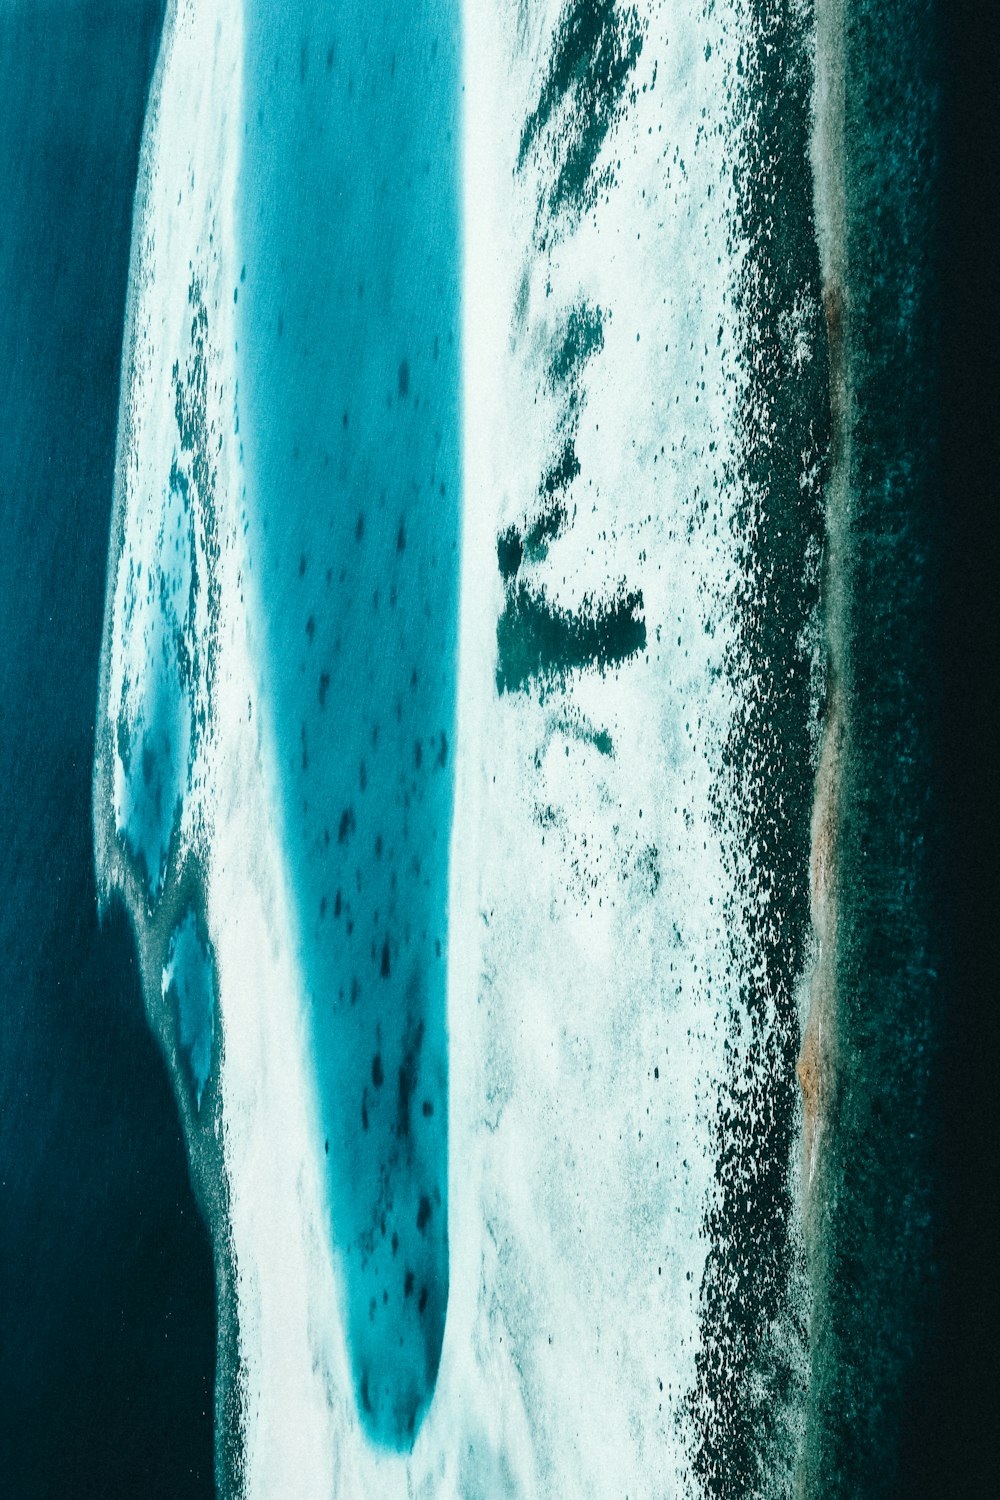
[
  {"x": 107, "y": 1306},
  {"x": 348, "y": 330},
  {"x": 511, "y": 733},
  {"x": 874, "y": 1239}
]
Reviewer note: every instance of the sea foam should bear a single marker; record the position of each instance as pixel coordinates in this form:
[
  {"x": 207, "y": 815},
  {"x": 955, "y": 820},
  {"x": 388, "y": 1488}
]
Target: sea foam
[{"x": 596, "y": 965}]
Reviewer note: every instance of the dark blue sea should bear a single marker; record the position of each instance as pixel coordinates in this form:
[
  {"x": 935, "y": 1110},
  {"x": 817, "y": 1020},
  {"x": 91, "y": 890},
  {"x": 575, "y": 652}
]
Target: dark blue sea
[{"x": 107, "y": 1316}]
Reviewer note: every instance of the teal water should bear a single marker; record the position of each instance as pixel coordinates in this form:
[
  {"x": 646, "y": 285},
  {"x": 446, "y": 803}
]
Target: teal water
[
  {"x": 873, "y": 1253},
  {"x": 107, "y": 1300},
  {"x": 347, "y": 330},
  {"x": 189, "y": 990}
]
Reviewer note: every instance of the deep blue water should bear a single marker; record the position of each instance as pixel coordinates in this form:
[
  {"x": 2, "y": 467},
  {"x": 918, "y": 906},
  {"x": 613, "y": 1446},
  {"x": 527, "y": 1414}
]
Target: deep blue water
[
  {"x": 348, "y": 329},
  {"x": 107, "y": 1316}
]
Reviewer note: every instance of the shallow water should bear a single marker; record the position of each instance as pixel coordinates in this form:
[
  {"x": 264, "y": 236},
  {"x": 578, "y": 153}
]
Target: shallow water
[{"x": 348, "y": 335}]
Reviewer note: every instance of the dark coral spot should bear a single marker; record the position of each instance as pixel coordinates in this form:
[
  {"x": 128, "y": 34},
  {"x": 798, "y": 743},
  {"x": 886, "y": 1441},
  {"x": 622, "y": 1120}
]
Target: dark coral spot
[{"x": 510, "y": 551}]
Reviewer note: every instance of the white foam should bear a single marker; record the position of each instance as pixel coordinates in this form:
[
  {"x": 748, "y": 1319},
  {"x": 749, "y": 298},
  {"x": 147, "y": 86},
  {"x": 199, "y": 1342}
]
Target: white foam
[
  {"x": 579, "y": 961},
  {"x": 592, "y": 1175}
]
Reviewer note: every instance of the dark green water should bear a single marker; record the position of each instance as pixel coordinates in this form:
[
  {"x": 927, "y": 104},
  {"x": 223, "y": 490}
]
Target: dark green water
[
  {"x": 875, "y": 1239},
  {"x": 107, "y": 1315}
]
